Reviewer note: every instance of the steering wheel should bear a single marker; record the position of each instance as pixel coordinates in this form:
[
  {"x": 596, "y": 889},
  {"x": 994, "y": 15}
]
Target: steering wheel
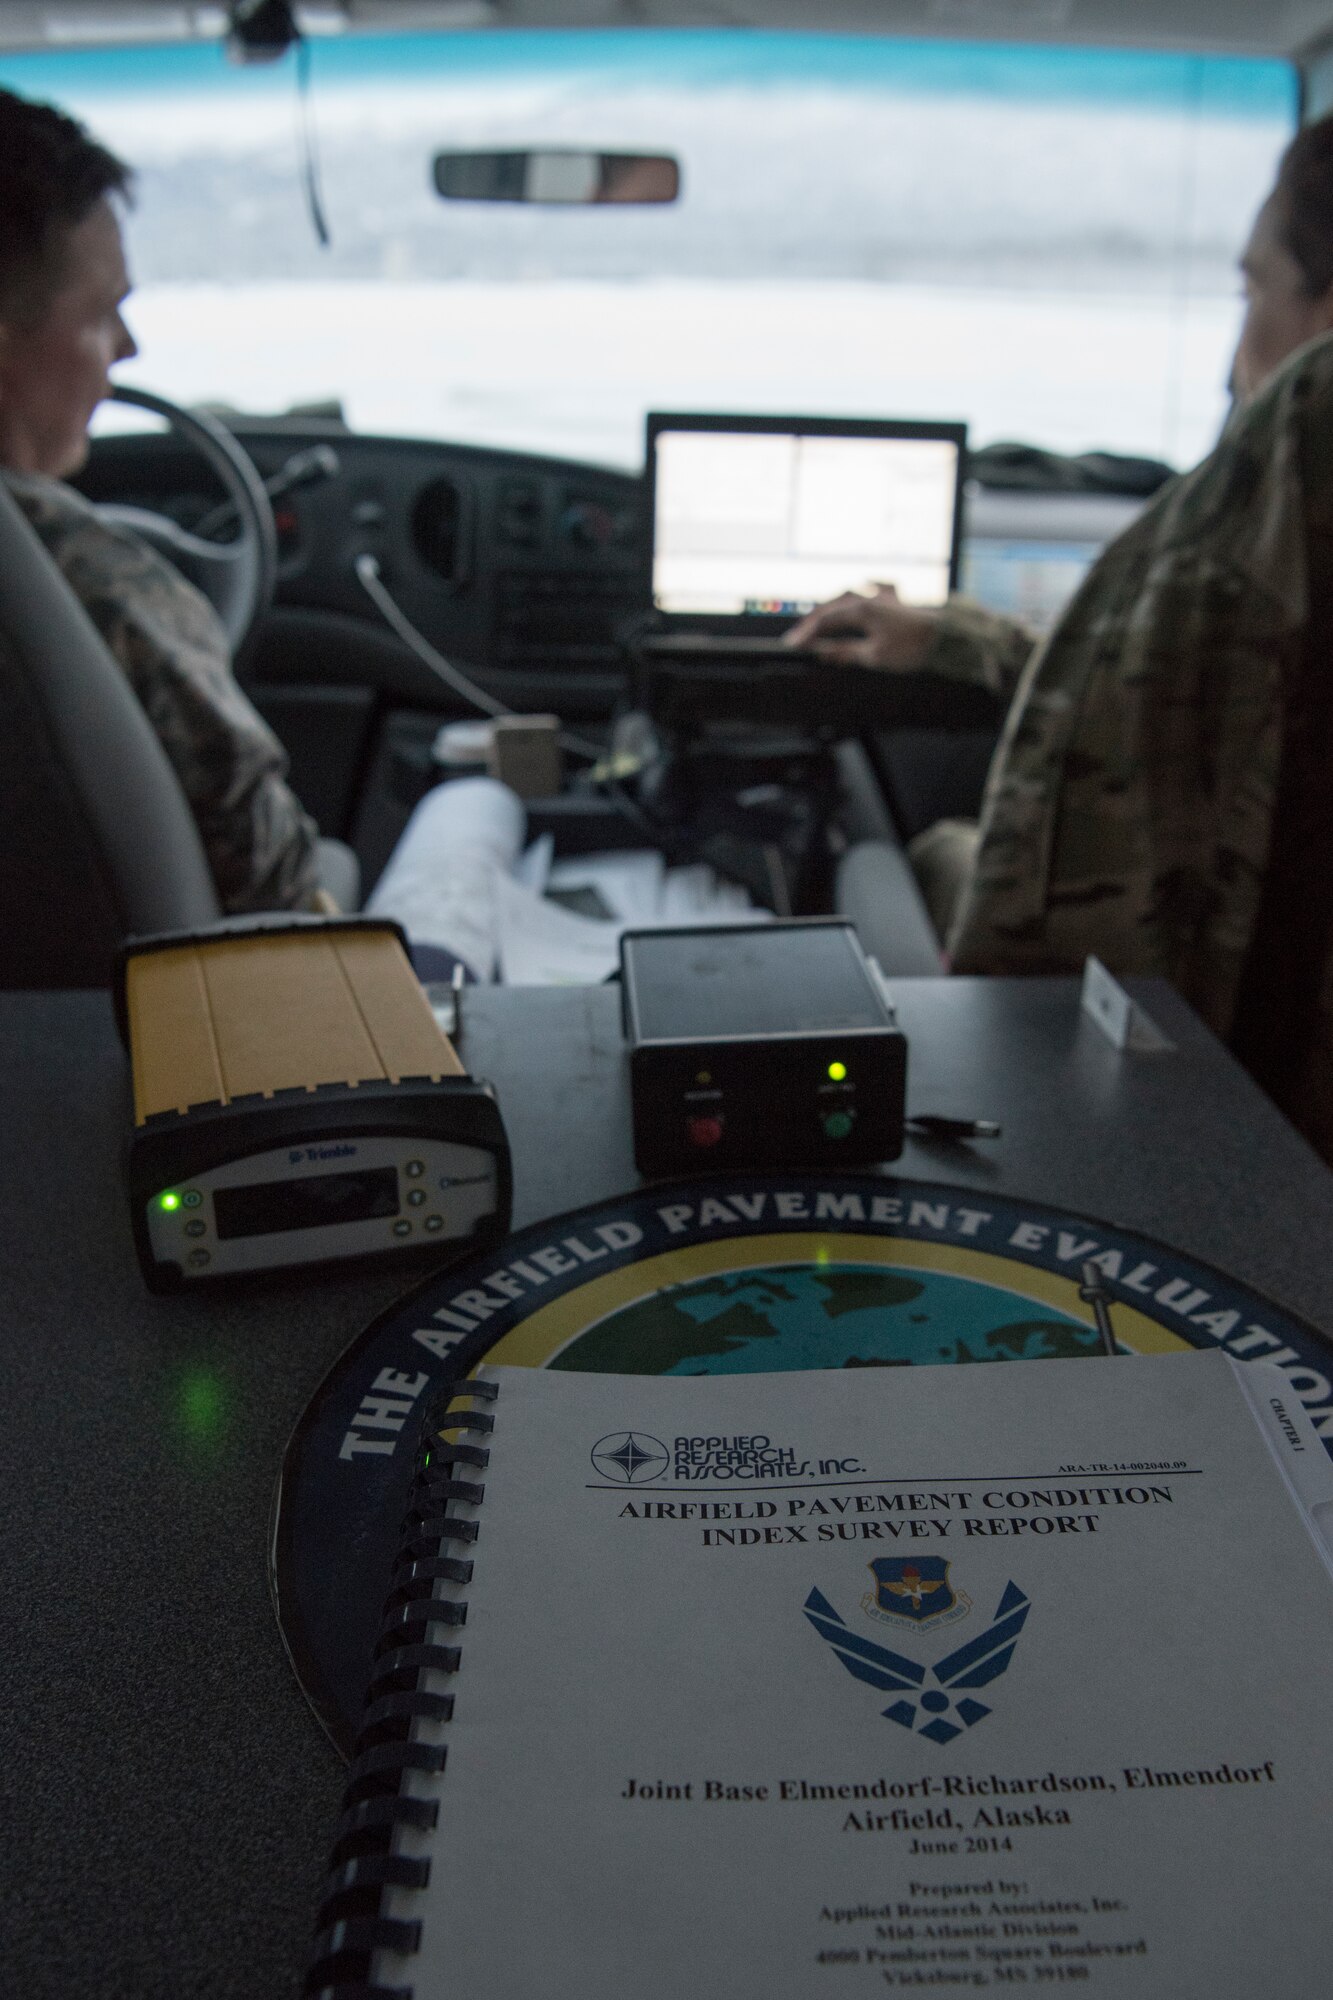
[{"x": 237, "y": 576}]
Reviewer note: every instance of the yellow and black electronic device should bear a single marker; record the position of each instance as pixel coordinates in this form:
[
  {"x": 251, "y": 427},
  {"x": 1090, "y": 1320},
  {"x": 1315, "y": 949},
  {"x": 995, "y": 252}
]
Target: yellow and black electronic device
[{"x": 297, "y": 1104}]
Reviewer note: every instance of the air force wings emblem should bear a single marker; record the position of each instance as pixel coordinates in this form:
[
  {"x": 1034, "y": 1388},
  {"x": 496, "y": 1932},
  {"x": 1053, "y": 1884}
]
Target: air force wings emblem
[{"x": 931, "y": 1700}]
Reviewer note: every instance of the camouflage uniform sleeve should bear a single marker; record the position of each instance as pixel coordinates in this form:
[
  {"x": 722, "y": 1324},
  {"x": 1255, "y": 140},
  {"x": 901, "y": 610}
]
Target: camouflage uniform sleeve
[
  {"x": 232, "y": 768},
  {"x": 1130, "y": 805},
  {"x": 982, "y": 647}
]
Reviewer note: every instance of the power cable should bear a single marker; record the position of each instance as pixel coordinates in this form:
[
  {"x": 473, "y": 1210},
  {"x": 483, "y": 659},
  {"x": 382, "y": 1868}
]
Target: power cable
[{"x": 368, "y": 576}]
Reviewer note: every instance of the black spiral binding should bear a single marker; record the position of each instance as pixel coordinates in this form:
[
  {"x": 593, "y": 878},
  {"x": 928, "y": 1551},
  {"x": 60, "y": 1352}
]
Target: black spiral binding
[{"x": 415, "y": 1639}]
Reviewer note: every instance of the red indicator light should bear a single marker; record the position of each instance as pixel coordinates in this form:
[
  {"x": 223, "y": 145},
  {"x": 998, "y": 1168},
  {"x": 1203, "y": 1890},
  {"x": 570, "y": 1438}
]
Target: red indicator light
[{"x": 704, "y": 1131}]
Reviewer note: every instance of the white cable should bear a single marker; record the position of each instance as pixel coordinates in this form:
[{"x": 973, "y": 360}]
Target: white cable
[{"x": 368, "y": 576}]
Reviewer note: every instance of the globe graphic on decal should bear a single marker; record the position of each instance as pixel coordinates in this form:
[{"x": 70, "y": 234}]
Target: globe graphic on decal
[{"x": 823, "y": 1316}]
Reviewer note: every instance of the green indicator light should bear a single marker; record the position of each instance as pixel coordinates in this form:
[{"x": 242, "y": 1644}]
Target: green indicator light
[
  {"x": 170, "y": 1201},
  {"x": 837, "y": 1071},
  {"x": 838, "y": 1124}
]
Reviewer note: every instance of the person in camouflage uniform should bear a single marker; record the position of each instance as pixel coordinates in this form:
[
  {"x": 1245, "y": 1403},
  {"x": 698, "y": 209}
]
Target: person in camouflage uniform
[
  {"x": 1157, "y": 793},
  {"x": 62, "y": 285}
]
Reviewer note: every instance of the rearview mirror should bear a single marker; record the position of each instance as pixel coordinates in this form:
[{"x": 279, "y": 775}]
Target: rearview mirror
[{"x": 557, "y": 175}]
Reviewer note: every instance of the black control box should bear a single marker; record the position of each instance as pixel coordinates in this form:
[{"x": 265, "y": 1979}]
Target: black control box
[{"x": 758, "y": 1046}]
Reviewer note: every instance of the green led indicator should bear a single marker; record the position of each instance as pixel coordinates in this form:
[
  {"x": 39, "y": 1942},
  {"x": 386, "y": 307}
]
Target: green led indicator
[
  {"x": 837, "y": 1071},
  {"x": 170, "y": 1201}
]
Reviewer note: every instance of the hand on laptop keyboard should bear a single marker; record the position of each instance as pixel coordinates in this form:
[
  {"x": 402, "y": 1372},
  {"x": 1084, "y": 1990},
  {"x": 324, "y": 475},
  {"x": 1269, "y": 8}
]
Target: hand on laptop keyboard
[{"x": 856, "y": 631}]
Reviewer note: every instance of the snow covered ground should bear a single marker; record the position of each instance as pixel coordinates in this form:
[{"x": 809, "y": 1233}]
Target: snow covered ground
[
  {"x": 1040, "y": 242},
  {"x": 569, "y": 367}
]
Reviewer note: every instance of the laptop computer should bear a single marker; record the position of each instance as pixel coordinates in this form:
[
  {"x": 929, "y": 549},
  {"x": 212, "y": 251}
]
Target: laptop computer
[{"x": 755, "y": 520}]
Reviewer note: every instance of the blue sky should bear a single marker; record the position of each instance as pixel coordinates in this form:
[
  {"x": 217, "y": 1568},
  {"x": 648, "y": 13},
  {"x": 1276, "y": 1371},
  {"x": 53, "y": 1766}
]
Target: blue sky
[{"x": 697, "y": 58}]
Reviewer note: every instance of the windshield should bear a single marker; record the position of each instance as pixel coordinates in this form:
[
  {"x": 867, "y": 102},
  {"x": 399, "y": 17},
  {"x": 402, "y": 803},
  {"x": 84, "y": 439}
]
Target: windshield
[{"x": 1042, "y": 243}]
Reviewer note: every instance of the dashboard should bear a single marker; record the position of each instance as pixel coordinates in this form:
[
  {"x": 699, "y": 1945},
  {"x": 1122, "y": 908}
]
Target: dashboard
[
  {"x": 525, "y": 567},
  {"x": 521, "y": 570},
  {"x": 519, "y": 567}
]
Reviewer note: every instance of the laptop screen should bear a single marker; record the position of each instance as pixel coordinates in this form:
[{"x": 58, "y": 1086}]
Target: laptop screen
[{"x": 758, "y": 519}]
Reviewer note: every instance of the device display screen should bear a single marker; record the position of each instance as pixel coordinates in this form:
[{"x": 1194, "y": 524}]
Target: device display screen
[
  {"x": 776, "y": 522},
  {"x": 305, "y": 1204}
]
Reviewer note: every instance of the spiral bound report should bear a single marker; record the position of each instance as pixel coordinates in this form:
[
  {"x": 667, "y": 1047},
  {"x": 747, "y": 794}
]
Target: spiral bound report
[
  {"x": 740, "y": 1677},
  {"x": 409, "y": 1698}
]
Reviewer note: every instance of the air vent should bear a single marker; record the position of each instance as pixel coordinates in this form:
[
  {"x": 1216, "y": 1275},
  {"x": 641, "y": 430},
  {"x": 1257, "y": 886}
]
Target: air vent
[
  {"x": 519, "y": 516},
  {"x": 438, "y": 530}
]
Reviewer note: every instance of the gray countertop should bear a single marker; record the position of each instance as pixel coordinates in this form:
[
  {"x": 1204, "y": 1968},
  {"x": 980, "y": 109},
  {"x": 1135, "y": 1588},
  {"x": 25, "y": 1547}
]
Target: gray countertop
[{"x": 168, "y": 1796}]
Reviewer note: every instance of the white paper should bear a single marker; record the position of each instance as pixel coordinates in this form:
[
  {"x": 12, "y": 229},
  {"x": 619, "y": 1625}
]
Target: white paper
[
  {"x": 629, "y": 882},
  {"x": 663, "y": 1777},
  {"x": 695, "y": 895},
  {"x": 457, "y": 879},
  {"x": 542, "y": 945},
  {"x": 640, "y": 891}
]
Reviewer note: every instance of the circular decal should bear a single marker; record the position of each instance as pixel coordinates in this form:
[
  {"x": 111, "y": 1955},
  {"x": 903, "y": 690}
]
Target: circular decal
[{"x": 714, "y": 1277}]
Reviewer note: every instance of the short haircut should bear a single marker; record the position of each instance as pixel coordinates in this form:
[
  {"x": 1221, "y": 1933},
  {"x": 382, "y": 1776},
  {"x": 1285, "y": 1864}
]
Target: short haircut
[
  {"x": 1304, "y": 196},
  {"x": 52, "y": 174}
]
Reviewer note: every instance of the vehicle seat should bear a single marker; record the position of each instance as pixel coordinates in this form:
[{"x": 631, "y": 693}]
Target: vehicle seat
[
  {"x": 97, "y": 840},
  {"x": 878, "y": 892},
  {"x": 340, "y": 873}
]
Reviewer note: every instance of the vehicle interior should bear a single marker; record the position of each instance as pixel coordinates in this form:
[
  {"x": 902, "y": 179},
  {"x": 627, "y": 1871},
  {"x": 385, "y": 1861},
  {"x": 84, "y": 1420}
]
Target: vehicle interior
[
  {"x": 419, "y": 287},
  {"x": 504, "y": 540}
]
